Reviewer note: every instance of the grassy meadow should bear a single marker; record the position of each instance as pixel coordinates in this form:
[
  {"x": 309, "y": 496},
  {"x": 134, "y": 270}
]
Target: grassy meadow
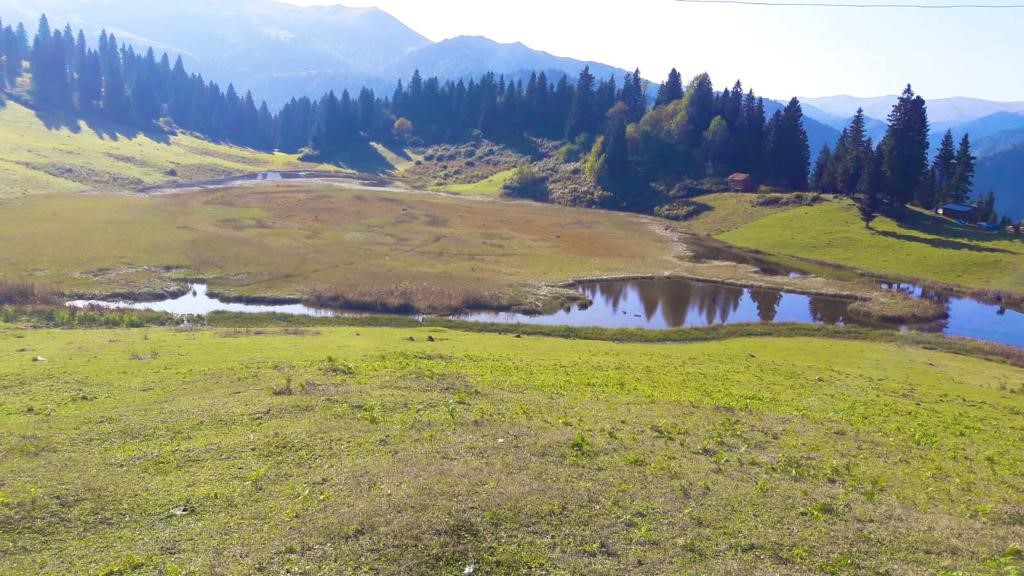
[
  {"x": 64, "y": 155},
  {"x": 291, "y": 240},
  {"x": 926, "y": 248},
  {"x": 489, "y": 187},
  {"x": 427, "y": 451}
]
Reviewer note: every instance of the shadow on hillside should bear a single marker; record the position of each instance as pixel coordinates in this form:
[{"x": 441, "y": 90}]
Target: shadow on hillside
[
  {"x": 360, "y": 157},
  {"x": 951, "y": 235},
  {"x": 943, "y": 243},
  {"x": 54, "y": 119}
]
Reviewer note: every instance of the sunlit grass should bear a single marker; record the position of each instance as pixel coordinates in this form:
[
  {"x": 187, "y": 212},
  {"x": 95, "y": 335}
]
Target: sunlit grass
[
  {"x": 425, "y": 451},
  {"x": 928, "y": 248}
]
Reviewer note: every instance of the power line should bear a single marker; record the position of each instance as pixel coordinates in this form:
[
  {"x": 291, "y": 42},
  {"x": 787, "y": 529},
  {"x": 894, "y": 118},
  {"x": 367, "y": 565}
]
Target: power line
[{"x": 855, "y": 5}]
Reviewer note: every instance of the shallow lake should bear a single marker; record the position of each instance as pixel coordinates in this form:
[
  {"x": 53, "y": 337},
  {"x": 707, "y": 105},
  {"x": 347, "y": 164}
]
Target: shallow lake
[
  {"x": 198, "y": 302},
  {"x": 681, "y": 303},
  {"x": 661, "y": 304}
]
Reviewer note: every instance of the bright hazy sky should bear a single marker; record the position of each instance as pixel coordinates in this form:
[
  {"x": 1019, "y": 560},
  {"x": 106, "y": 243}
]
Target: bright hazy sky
[{"x": 777, "y": 51}]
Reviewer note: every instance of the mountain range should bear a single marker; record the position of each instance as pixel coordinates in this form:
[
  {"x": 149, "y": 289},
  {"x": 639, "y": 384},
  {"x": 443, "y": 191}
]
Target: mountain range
[{"x": 279, "y": 50}]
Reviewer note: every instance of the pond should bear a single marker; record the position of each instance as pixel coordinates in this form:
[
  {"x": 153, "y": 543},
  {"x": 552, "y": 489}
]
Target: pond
[
  {"x": 682, "y": 303},
  {"x": 665, "y": 303},
  {"x": 198, "y": 302}
]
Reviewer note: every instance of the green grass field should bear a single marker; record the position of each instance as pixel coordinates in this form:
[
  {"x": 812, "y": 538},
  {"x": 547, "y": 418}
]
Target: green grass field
[
  {"x": 376, "y": 451},
  {"x": 488, "y": 187},
  {"x": 71, "y": 156},
  {"x": 927, "y": 248},
  {"x": 289, "y": 240},
  {"x": 727, "y": 211}
]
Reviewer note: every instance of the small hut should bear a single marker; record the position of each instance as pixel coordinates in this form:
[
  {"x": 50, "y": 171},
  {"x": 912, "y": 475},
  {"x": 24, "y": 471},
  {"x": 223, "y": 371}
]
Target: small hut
[
  {"x": 740, "y": 182},
  {"x": 961, "y": 212}
]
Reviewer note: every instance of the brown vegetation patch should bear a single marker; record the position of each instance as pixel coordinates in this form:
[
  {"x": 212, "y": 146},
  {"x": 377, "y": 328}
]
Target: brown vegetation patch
[
  {"x": 463, "y": 164},
  {"x": 26, "y": 294},
  {"x": 409, "y": 299}
]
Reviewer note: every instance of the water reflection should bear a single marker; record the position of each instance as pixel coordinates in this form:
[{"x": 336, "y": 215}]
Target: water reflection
[
  {"x": 197, "y": 302},
  {"x": 679, "y": 303},
  {"x": 969, "y": 317}
]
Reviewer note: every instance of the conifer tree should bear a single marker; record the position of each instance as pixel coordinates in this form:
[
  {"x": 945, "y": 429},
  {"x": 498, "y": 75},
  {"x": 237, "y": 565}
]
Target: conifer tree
[
  {"x": 962, "y": 182},
  {"x": 868, "y": 193},
  {"x": 822, "y": 178},
  {"x": 788, "y": 154},
  {"x": 671, "y": 90},
  {"x": 943, "y": 171},
  {"x": 905, "y": 149},
  {"x": 583, "y": 111}
]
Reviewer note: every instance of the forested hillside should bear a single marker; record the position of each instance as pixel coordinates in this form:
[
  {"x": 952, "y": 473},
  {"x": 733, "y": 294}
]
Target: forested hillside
[{"x": 628, "y": 154}]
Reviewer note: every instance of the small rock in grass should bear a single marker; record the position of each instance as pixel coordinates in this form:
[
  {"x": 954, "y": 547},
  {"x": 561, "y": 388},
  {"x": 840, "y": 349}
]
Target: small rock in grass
[
  {"x": 39, "y": 359},
  {"x": 180, "y": 510},
  {"x": 430, "y": 338}
]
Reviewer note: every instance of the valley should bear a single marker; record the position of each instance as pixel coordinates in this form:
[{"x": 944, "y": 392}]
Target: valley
[{"x": 513, "y": 314}]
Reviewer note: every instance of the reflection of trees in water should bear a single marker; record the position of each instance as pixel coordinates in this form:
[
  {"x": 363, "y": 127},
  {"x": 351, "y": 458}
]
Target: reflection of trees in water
[
  {"x": 767, "y": 302},
  {"x": 705, "y": 303},
  {"x": 919, "y": 292},
  {"x": 651, "y": 293},
  {"x": 611, "y": 292},
  {"x": 677, "y": 299},
  {"x": 828, "y": 310}
]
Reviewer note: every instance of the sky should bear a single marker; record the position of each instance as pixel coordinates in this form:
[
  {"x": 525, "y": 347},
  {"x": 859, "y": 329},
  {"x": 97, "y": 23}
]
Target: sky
[{"x": 777, "y": 51}]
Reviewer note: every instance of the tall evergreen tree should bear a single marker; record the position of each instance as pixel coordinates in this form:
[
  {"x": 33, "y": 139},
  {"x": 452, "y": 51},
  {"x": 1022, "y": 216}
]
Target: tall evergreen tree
[
  {"x": 671, "y": 90},
  {"x": 962, "y": 182},
  {"x": 788, "y": 153},
  {"x": 905, "y": 149},
  {"x": 823, "y": 176},
  {"x": 943, "y": 171},
  {"x": 583, "y": 112}
]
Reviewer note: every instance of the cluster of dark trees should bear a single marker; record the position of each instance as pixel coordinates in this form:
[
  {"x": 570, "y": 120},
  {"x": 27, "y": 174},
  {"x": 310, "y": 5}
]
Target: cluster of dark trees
[
  {"x": 690, "y": 133},
  {"x": 113, "y": 82},
  {"x": 695, "y": 133},
  {"x": 14, "y": 50},
  {"x": 896, "y": 172}
]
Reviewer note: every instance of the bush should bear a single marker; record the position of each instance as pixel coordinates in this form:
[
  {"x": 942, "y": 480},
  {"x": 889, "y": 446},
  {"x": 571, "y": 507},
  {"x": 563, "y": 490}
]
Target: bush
[
  {"x": 680, "y": 210},
  {"x": 526, "y": 182},
  {"x": 793, "y": 199}
]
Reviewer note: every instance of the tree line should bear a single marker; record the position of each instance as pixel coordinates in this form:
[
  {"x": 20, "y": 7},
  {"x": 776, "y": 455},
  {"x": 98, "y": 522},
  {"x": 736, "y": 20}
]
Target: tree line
[
  {"x": 884, "y": 178},
  {"x": 635, "y": 150}
]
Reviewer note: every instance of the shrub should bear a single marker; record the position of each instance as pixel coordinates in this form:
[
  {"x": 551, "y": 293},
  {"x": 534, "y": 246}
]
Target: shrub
[
  {"x": 792, "y": 199},
  {"x": 526, "y": 182},
  {"x": 680, "y": 210}
]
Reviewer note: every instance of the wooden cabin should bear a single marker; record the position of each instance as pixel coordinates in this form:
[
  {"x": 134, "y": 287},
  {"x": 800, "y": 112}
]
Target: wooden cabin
[
  {"x": 740, "y": 182},
  {"x": 959, "y": 212}
]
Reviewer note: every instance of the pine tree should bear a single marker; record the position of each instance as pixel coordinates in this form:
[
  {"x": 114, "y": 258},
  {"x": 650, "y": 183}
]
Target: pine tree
[
  {"x": 943, "y": 171},
  {"x": 822, "y": 178},
  {"x": 962, "y": 182},
  {"x": 671, "y": 90},
  {"x": 583, "y": 111},
  {"x": 905, "y": 149},
  {"x": 787, "y": 150},
  {"x": 849, "y": 158},
  {"x": 868, "y": 195}
]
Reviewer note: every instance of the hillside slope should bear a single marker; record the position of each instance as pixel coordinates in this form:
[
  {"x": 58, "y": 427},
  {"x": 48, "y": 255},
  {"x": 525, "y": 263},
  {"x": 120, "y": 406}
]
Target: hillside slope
[
  {"x": 280, "y": 50},
  {"x": 72, "y": 155}
]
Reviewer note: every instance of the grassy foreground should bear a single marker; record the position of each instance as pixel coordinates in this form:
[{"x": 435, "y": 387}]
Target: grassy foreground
[
  {"x": 64, "y": 155},
  {"x": 926, "y": 248},
  {"x": 369, "y": 450},
  {"x": 292, "y": 239}
]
